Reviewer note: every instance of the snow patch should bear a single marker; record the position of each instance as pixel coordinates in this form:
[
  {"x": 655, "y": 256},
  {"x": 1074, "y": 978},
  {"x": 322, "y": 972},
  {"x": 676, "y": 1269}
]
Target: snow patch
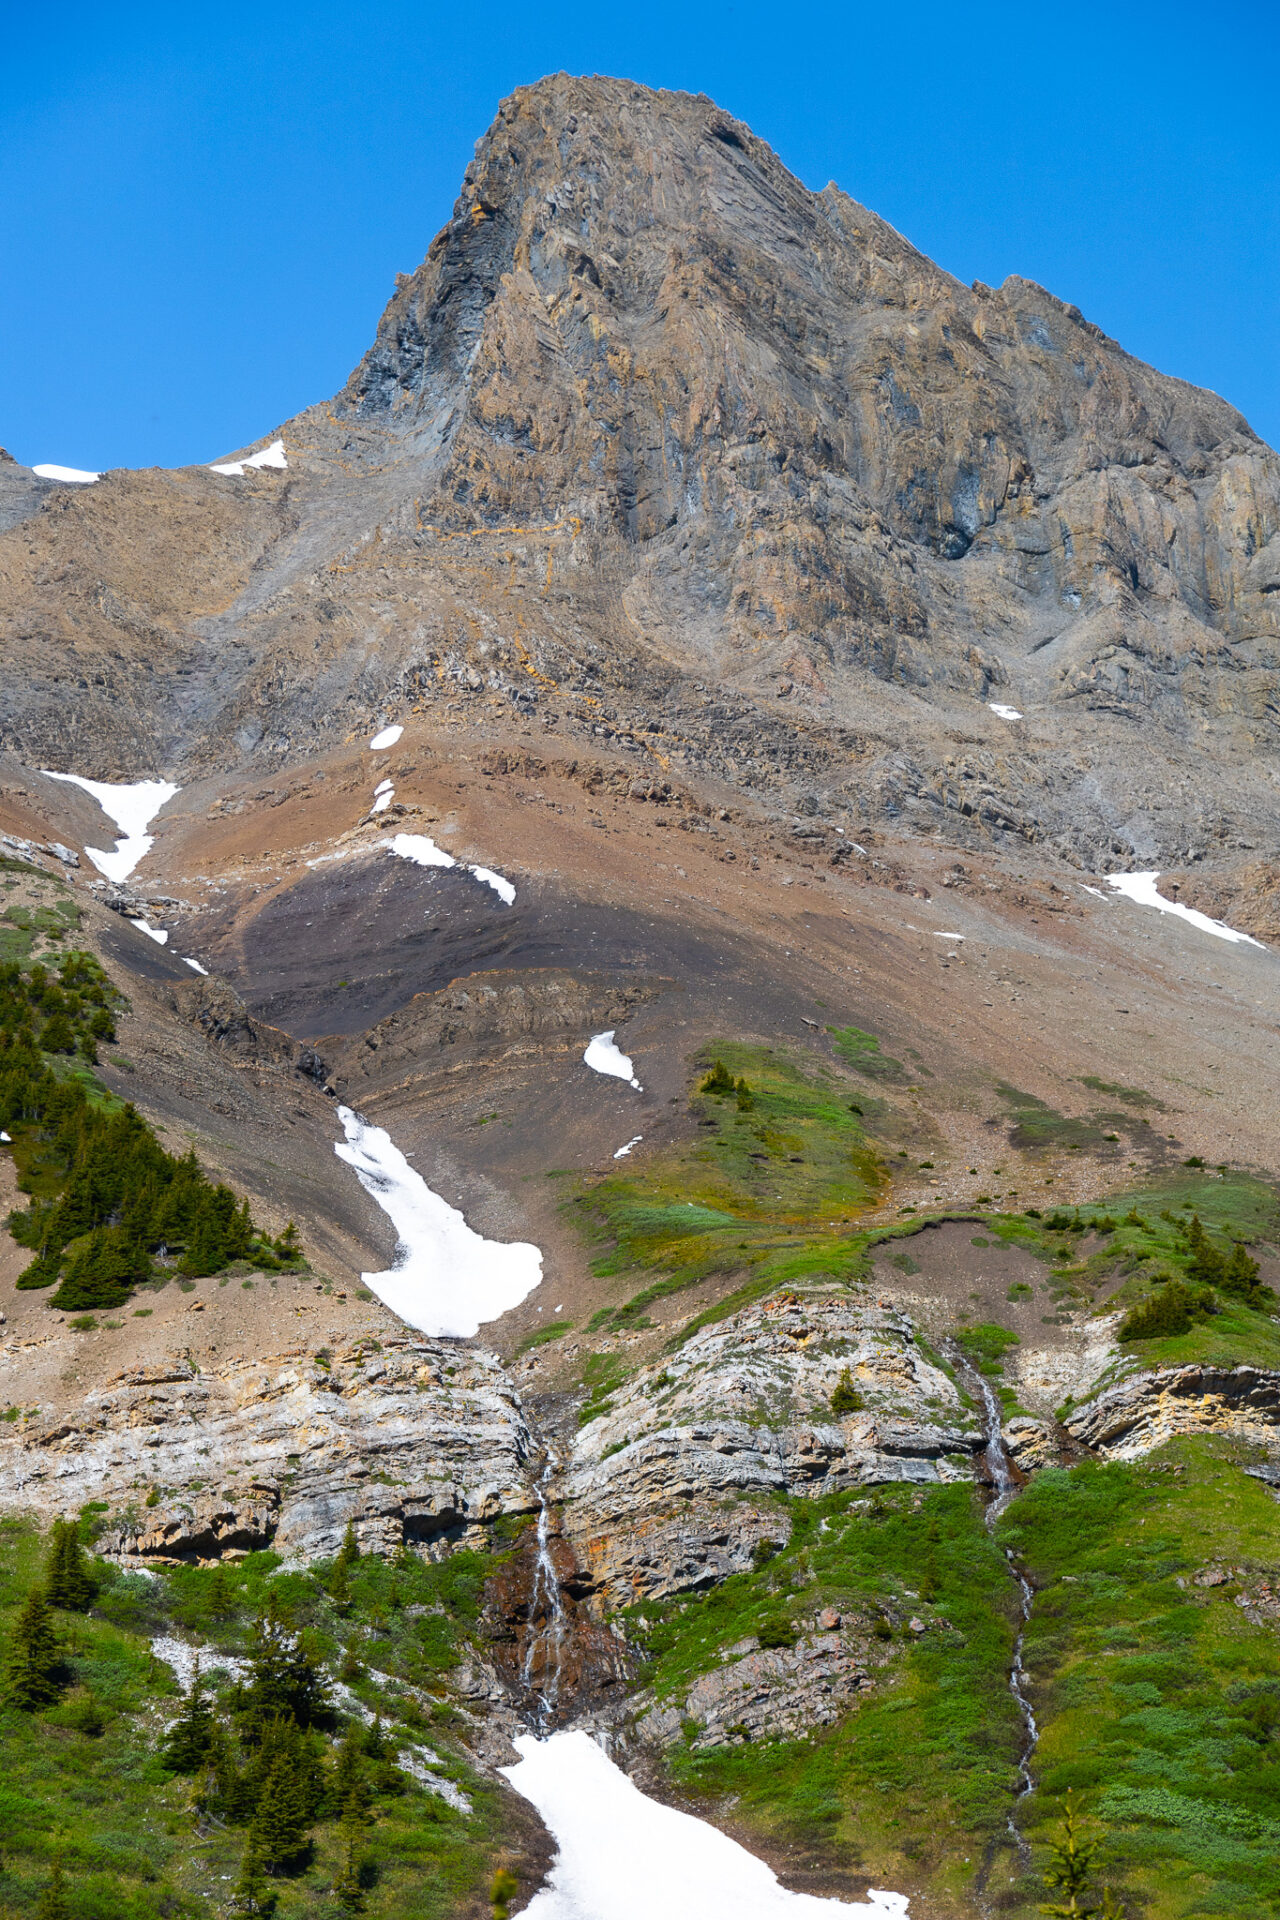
[
  {"x": 622, "y": 1856},
  {"x": 7, "y": 1138},
  {"x": 425, "y": 853},
  {"x": 132, "y": 807},
  {"x": 1006, "y": 713},
  {"x": 73, "y": 476},
  {"x": 947, "y": 936},
  {"x": 383, "y": 798},
  {"x": 1141, "y": 888},
  {"x": 603, "y": 1057},
  {"x": 447, "y": 1280},
  {"x": 383, "y": 786},
  {"x": 387, "y": 738},
  {"x": 272, "y": 456},
  {"x": 622, "y": 1152},
  {"x": 195, "y": 965},
  {"x": 503, "y": 888},
  {"x": 157, "y": 934}
]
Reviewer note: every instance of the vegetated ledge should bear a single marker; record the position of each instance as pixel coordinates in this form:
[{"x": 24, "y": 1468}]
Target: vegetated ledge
[{"x": 1144, "y": 1410}]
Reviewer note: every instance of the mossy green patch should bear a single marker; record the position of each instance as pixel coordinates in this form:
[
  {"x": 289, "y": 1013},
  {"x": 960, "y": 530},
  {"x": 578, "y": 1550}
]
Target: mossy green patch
[
  {"x": 770, "y": 1189},
  {"x": 918, "y": 1776},
  {"x": 861, "y": 1051},
  {"x": 1159, "y": 1699}
]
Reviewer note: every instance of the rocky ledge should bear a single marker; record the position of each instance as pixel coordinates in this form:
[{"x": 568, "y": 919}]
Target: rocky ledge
[
  {"x": 415, "y": 1441},
  {"x": 1146, "y": 1409},
  {"x": 669, "y": 1488}
]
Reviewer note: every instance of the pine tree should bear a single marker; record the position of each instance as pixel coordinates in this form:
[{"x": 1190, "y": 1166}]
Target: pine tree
[
  {"x": 1071, "y": 1871},
  {"x": 31, "y": 1667},
  {"x": 68, "y": 1583},
  {"x": 285, "y": 1680},
  {"x": 347, "y": 1888},
  {"x": 347, "y": 1783},
  {"x": 280, "y": 1817},
  {"x": 189, "y": 1740},
  {"x": 52, "y": 1904},
  {"x": 253, "y": 1893}
]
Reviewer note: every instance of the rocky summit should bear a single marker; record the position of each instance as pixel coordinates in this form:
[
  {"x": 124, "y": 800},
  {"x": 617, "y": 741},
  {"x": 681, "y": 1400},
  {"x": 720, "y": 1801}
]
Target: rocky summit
[{"x": 638, "y": 1044}]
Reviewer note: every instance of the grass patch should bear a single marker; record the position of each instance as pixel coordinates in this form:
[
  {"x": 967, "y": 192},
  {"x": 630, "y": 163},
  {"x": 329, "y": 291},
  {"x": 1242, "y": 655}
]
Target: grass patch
[
  {"x": 781, "y": 1169},
  {"x": 1159, "y": 1701},
  {"x": 85, "y": 1780},
  {"x": 916, "y": 1778},
  {"x": 861, "y": 1051}
]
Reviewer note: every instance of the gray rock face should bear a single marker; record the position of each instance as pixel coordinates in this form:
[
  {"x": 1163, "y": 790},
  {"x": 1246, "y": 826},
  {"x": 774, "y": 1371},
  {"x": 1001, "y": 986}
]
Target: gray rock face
[
  {"x": 760, "y": 1693},
  {"x": 422, "y": 1442},
  {"x": 1145, "y": 1410},
  {"x": 668, "y": 1490},
  {"x": 762, "y": 480}
]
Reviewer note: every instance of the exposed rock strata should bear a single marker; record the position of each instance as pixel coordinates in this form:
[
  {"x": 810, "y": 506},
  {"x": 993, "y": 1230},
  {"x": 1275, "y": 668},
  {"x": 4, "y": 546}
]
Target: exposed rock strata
[
  {"x": 777, "y": 1693},
  {"x": 668, "y": 1490},
  {"x": 1145, "y": 1410},
  {"x": 421, "y": 1442}
]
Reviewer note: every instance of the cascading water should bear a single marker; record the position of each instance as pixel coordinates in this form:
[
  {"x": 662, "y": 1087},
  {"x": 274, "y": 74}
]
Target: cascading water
[
  {"x": 544, "y": 1646},
  {"x": 1005, "y": 1483}
]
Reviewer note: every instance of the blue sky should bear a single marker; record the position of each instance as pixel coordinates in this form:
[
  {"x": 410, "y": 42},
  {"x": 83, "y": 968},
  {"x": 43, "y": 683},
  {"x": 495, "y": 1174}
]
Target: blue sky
[{"x": 205, "y": 206}]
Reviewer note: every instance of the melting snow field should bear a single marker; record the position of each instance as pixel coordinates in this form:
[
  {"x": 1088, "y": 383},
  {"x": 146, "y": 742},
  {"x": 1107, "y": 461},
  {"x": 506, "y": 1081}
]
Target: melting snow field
[
  {"x": 1006, "y": 713},
  {"x": 195, "y": 965},
  {"x": 622, "y": 1152},
  {"x": 425, "y": 853},
  {"x": 603, "y": 1057},
  {"x": 157, "y": 934},
  {"x": 447, "y": 1278},
  {"x": 1141, "y": 888},
  {"x": 387, "y": 738},
  {"x": 622, "y": 1856},
  {"x": 73, "y": 476},
  {"x": 272, "y": 456},
  {"x": 133, "y": 808}
]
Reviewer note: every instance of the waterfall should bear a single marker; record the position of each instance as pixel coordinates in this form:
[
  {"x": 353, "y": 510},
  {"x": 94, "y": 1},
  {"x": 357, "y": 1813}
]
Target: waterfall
[
  {"x": 544, "y": 1648},
  {"x": 1000, "y": 1467}
]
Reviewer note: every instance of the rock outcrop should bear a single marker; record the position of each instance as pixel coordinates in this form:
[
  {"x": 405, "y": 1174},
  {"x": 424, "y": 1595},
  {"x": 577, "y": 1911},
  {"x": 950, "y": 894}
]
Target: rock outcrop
[
  {"x": 422, "y": 1442},
  {"x": 774, "y": 1693},
  {"x": 657, "y": 444},
  {"x": 1146, "y": 1409},
  {"x": 669, "y": 1489}
]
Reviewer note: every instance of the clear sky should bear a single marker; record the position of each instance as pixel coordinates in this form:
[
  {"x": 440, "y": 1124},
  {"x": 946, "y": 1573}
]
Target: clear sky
[{"x": 205, "y": 204}]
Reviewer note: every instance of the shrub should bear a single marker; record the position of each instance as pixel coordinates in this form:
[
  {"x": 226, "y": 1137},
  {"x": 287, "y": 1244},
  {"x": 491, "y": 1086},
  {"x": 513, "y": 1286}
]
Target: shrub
[{"x": 1171, "y": 1311}]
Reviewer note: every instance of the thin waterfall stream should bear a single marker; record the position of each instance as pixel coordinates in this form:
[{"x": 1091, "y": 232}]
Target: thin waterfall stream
[
  {"x": 544, "y": 1647},
  {"x": 1005, "y": 1483}
]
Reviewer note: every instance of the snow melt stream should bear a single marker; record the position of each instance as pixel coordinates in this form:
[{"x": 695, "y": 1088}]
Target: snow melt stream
[
  {"x": 132, "y": 807},
  {"x": 622, "y": 1856},
  {"x": 447, "y": 1278},
  {"x": 1141, "y": 888}
]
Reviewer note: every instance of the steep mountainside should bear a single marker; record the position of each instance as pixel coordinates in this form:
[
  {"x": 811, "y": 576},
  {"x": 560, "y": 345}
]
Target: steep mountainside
[{"x": 784, "y": 1252}]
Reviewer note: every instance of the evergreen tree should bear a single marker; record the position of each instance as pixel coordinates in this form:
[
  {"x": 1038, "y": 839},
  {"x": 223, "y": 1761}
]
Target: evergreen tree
[
  {"x": 285, "y": 1680},
  {"x": 68, "y": 1583},
  {"x": 253, "y": 1893},
  {"x": 280, "y": 1818},
  {"x": 190, "y": 1739},
  {"x": 347, "y": 1784},
  {"x": 52, "y": 1904},
  {"x": 1240, "y": 1277},
  {"x": 1070, "y": 1872},
  {"x": 348, "y": 1888},
  {"x": 32, "y": 1664}
]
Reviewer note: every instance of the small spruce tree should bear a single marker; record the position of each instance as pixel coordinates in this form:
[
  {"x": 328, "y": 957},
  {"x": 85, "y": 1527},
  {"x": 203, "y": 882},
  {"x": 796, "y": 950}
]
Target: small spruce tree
[
  {"x": 68, "y": 1583},
  {"x": 845, "y": 1397},
  {"x": 32, "y": 1665},
  {"x": 254, "y": 1893},
  {"x": 190, "y": 1739},
  {"x": 52, "y": 1904},
  {"x": 1070, "y": 1872}
]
